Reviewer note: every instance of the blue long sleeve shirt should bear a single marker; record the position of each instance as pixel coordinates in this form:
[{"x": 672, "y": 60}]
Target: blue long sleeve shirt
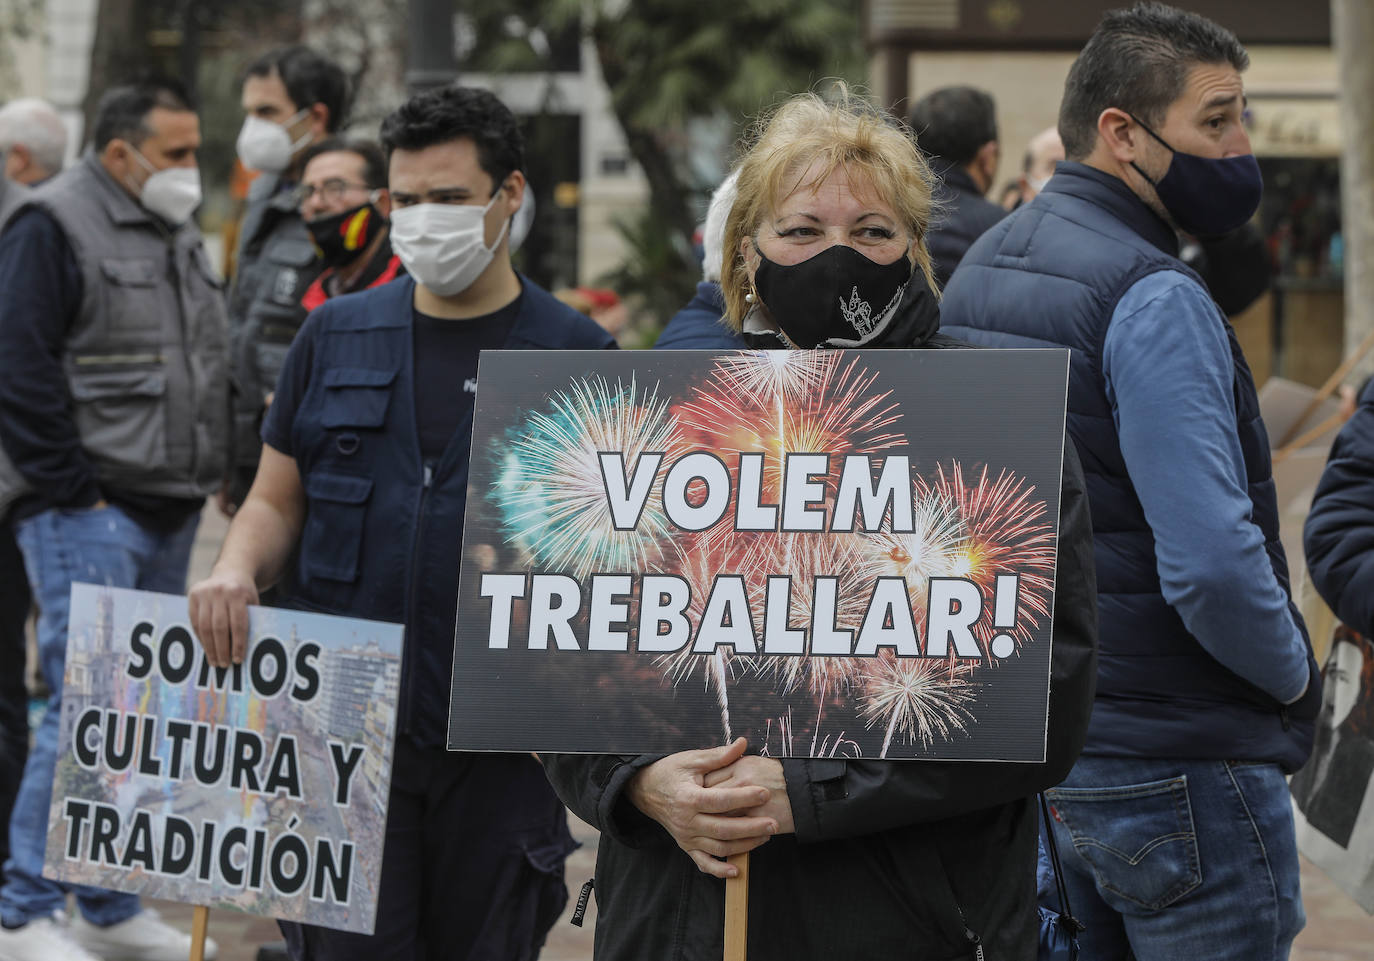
[{"x": 1168, "y": 367}]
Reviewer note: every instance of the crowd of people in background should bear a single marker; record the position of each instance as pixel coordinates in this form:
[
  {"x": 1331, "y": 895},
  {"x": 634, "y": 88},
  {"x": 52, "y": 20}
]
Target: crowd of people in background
[{"x": 324, "y": 400}]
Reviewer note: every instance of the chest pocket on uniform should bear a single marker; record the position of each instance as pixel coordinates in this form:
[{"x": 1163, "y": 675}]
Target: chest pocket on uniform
[
  {"x": 356, "y": 397},
  {"x": 332, "y": 540},
  {"x": 120, "y": 413},
  {"x": 132, "y": 298}
]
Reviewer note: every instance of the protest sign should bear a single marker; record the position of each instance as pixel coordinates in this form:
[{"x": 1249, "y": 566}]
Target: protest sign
[
  {"x": 260, "y": 788},
  {"x": 1334, "y": 791},
  {"x": 834, "y": 553}
]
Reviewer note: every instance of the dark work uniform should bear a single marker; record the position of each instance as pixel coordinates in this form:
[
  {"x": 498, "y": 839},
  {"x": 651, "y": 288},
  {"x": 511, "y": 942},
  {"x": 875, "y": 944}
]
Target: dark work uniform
[{"x": 375, "y": 408}]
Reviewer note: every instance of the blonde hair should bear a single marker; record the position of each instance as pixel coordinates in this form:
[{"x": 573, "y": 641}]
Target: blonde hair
[{"x": 845, "y": 133}]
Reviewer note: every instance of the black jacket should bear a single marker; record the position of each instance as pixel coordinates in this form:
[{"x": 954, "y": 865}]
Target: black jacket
[
  {"x": 964, "y": 215},
  {"x": 699, "y": 326},
  {"x": 1339, "y": 535},
  {"x": 889, "y": 859}
]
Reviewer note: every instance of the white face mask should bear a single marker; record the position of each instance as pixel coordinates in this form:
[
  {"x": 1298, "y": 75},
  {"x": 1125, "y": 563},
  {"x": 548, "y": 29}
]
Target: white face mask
[
  {"x": 266, "y": 146},
  {"x": 173, "y": 194},
  {"x": 443, "y": 245},
  {"x": 1037, "y": 184}
]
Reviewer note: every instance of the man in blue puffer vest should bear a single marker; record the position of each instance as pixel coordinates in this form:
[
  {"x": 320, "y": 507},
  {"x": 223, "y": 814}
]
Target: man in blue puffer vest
[
  {"x": 358, "y": 506},
  {"x": 1174, "y": 826}
]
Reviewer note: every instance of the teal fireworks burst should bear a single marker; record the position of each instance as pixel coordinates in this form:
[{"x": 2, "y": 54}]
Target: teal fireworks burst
[{"x": 550, "y": 492}]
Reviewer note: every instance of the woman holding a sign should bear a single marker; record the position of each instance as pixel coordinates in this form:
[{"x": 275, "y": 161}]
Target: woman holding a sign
[{"x": 852, "y": 857}]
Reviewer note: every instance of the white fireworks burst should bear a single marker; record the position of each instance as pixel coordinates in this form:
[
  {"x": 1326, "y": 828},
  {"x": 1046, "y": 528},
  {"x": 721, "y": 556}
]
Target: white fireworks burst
[
  {"x": 917, "y": 699},
  {"x": 769, "y": 376},
  {"x": 932, "y": 548}
]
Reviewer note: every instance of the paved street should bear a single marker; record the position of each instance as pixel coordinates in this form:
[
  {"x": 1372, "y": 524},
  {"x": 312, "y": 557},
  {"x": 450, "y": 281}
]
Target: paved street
[{"x": 1337, "y": 929}]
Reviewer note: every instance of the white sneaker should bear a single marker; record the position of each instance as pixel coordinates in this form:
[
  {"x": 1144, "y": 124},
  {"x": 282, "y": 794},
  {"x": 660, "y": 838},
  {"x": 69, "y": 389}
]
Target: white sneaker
[
  {"x": 45, "y": 939},
  {"x": 144, "y": 937}
]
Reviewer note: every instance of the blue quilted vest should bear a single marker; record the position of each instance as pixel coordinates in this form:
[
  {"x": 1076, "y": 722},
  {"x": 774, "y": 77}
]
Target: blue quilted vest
[
  {"x": 383, "y": 530},
  {"x": 1051, "y": 276}
]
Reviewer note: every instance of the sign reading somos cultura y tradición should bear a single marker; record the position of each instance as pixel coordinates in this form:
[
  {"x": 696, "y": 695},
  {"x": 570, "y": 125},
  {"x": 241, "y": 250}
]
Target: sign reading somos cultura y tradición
[
  {"x": 260, "y": 788},
  {"x": 830, "y": 552}
]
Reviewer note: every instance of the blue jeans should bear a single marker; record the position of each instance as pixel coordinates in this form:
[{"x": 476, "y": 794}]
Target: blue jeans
[
  {"x": 61, "y": 546},
  {"x": 1168, "y": 859},
  {"x": 14, "y": 697}
]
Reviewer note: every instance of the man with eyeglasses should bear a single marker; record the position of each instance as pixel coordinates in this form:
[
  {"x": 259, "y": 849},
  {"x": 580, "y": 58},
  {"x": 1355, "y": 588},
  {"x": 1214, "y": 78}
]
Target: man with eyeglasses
[
  {"x": 345, "y": 204},
  {"x": 292, "y": 99}
]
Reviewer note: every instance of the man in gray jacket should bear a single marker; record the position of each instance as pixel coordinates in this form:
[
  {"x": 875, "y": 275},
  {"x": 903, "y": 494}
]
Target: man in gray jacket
[
  {"x": 292, "y": 99},
  {"x": 113, "y": 409}
]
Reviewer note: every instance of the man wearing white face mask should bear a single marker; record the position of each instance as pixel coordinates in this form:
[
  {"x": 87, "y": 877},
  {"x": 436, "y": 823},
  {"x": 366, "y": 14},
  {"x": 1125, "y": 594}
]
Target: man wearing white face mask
[
  {"x": 113, "y": 408},
  {"x": 292, "y": 99},
  {"x": 358, "y": 507}
]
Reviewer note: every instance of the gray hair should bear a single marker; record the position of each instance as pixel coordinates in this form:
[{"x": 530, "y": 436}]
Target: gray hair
[{"x": 34, "y": 124}]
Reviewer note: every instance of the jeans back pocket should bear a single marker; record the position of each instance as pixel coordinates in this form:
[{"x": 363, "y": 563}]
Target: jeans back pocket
[{"x": 1138, "y": 839}]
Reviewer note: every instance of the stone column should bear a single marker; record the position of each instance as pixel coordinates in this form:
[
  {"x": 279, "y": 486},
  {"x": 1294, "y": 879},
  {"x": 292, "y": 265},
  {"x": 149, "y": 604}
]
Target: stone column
[{"x": 1352, "y": 30}]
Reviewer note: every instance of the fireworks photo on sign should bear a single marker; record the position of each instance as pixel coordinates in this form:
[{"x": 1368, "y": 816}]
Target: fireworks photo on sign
[{"x": 832, "y": 553}]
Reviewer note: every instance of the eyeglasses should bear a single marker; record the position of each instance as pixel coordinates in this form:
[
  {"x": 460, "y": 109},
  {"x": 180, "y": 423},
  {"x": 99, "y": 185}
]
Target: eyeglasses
[{"x": 330, "y": 190}]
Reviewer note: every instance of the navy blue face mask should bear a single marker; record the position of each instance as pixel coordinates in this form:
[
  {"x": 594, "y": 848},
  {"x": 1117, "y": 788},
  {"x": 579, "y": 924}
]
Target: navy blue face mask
[{"x": 1207, "y": 196}]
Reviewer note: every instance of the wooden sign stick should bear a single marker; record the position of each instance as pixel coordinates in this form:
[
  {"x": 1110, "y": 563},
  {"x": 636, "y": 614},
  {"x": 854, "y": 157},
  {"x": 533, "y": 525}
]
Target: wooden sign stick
[
  {"x": 200, "y": 921},
  {"x": 1302, "y": 440},
  {"x": 737, "y": 910},
  {"x": 1329, "y": 387}
]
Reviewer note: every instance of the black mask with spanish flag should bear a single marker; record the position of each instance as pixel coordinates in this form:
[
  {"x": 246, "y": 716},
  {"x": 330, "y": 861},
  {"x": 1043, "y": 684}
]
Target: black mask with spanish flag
[{"x": 340, "y": 238}]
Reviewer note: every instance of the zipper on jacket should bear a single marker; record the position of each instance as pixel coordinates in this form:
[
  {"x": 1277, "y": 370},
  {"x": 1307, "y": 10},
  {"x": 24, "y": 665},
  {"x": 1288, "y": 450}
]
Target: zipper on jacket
[
  {"x": 188, "y": 344},
  {"x": 1284, "y": 719},
  {"x": 977, "y": 943},
  {"x": 970, "y": 935},
  {"x": 580, "y": 912},
  {"x": 412, "y": 602},
  {"x": 115, "y": 360}
]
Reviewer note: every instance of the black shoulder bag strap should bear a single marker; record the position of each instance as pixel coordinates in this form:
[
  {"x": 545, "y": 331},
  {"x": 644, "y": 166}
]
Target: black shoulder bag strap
[{"x": 1067, "y": 921}]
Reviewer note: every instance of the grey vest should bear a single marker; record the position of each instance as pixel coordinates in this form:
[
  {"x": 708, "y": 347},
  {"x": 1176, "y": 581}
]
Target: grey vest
[
  {"x": 146, "y": 357},
  {"x": 275, "y": 266}
]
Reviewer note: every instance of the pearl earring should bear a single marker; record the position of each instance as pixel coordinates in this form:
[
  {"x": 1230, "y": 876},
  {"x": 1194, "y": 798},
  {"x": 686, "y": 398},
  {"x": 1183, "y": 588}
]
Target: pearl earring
[{"x": 749, "y": 298}]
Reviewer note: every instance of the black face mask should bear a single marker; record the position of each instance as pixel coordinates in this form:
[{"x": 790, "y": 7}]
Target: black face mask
[
  {"x": 340, "y": 238},
  {"x": 1207, "y": 196},
  {"x": 839, "y": 294}
]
